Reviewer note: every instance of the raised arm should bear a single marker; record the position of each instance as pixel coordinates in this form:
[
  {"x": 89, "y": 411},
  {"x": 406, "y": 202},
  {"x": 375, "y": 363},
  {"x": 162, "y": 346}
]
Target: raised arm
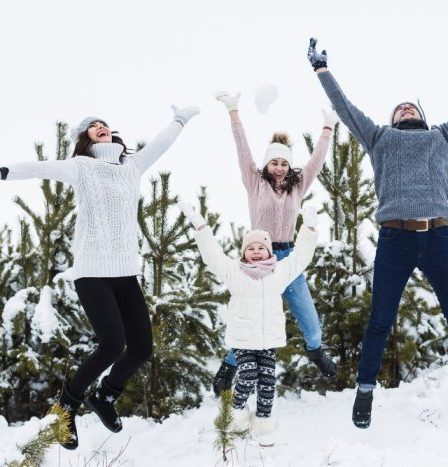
[
  {"x": 65, "y": 171},
  {"x": 361, "y": 126},
  {"x": 212, "y": 255},
  {"x": 314, "y": 165},
  {"x": 147, "y": 156},
  {"x": 303, "y": 252},
  {"x": 247, "y": 165}
]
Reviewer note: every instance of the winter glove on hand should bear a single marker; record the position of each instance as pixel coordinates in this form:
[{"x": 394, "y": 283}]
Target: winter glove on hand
[
  {"x": 231, "y": 102},
  {"x": 4, "y": 172},
  {"x": 184, "y": 114},
  {"x": 318, "y": 60},
  {"x": 193, "y": 216},
  {"x": 309, "y": 216},
  {"x": 330, "y": 118}
]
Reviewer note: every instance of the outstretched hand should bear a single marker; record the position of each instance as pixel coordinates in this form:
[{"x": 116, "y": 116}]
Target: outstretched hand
[
  {"x": 317, "y": 60},
  {"x": 196, "y": 219},
  {"x": 231, "y": 102},
  {"x": 4, "y": 172},
  {"x": 309, "y": 217},
  {"x": 330, "y": 118},
  {"x": 184, "y": 114}
]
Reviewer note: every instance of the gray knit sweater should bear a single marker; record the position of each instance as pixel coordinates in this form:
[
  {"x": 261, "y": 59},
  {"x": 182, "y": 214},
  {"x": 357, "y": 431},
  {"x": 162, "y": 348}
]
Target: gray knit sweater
[
  {"x": 411, "y": 166},
  {"x": 107, "y": 191}
]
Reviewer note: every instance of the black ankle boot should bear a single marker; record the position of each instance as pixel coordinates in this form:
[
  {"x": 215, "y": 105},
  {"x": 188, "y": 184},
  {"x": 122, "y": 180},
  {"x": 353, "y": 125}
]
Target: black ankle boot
[
  {"x": 325, "y": 365},
  {"x": 362, "y": 409},
  {"x": 101, "y": 401},
  {"x": 71, "y": 404},
  {"x": 223, "y": 378}
]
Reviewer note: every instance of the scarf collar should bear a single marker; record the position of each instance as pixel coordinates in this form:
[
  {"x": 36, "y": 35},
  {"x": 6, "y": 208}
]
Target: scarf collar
[
  {"x": 107, "y": 152},
  {"x": 259, "y": 269},
  {"x": 411, "y": 124}
]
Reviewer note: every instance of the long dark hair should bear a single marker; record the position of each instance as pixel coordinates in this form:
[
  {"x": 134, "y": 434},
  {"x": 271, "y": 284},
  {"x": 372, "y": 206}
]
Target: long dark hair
[
  {"x": 84, "y": 143},
  {"x": 292, "y": 178}
]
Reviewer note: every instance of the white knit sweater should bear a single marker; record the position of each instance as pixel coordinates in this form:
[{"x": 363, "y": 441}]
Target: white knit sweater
[{"x": 107, "y": 193}]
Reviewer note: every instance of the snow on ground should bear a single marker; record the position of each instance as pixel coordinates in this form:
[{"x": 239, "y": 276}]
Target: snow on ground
[{"x": 409, "y": 428}]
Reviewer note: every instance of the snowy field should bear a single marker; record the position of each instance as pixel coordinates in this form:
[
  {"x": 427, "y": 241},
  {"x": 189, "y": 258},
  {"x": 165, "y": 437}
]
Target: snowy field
[{"x": 409, "y": 428}]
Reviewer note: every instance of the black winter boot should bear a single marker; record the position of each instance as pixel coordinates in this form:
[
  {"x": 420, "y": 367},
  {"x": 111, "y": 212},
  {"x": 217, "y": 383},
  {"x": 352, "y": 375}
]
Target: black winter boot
[
  {"x": 101, "y": 401},
  {"x": 71, "y": 405},
  {"x": 362, "y": 409},
  {"x": 223, "y": 378},
  {"x": 325, "y": 365}
]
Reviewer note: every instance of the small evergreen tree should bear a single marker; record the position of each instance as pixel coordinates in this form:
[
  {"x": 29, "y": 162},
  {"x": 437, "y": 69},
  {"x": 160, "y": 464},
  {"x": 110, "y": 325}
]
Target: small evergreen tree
[
  {"x": 338, "y": 276},
  {"x": 182, "y": 302},
  {"x": 44, "y": 336},
  {"x": 226, "y": 435}
]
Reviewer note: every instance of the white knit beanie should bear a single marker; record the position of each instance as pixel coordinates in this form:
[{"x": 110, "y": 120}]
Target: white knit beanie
[
  {"x": 83, "y": 126},
  {"x": 277, "y": 151},
  {"x": 257, "y": 236}
]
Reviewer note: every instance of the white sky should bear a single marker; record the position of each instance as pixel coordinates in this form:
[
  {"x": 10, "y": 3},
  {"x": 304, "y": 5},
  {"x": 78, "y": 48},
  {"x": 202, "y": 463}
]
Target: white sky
[{"x": 127, "y": 61}]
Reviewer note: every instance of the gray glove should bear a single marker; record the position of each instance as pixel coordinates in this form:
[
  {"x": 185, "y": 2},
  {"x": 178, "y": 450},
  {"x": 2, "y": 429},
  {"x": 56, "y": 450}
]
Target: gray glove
[
  {"x": 317, "y": 60},
  {"x": 4, "y": 172}
]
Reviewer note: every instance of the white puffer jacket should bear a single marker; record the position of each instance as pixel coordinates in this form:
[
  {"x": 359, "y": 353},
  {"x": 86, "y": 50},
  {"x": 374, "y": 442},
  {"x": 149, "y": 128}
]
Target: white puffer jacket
[{"x": 255, "y": 318}]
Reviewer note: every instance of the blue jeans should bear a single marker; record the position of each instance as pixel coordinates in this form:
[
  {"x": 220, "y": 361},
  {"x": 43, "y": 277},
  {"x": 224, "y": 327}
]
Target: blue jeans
[
  {"x": 301, "y": 305},
  {"x": 398, "y": 253}
]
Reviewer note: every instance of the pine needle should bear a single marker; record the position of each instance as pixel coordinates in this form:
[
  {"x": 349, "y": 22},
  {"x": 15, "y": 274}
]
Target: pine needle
[{"x": 56, "y": 432}]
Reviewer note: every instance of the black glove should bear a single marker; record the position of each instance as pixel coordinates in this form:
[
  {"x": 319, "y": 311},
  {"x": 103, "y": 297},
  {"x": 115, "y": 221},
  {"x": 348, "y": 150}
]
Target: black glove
[
  {"x": 318, "y": 60},
  {"x": 4, "y": 172}
]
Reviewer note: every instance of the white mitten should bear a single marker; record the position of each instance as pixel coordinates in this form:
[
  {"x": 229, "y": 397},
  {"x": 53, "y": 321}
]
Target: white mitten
[
  {"x": 185, "y": 113},
  {"x": 193, "y": 216},
  {"x": 231, "y": 102},
  {"x": 330, "y": 118},
  {"x": 309, "y": 216}
]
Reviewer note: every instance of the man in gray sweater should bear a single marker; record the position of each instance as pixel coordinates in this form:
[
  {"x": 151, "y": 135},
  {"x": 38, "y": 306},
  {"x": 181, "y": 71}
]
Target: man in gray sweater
[{"x": 410, "y": 162}]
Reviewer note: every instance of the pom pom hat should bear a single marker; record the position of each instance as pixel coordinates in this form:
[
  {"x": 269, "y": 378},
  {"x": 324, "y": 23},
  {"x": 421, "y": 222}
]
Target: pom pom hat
[
  {"x": 257, "y": 236},
  {"x": 277, "y": 151}
]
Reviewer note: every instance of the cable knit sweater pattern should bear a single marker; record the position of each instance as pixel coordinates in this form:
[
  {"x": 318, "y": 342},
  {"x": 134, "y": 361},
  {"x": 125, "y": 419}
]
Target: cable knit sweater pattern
[
  {"x": 107, "y": 192},
  {"x": 410, "y": 166},
  {"x": 270, "y": 211}
]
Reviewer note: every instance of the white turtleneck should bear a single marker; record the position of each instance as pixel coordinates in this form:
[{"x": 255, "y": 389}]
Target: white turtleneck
[{"x": 107, "y": 191}]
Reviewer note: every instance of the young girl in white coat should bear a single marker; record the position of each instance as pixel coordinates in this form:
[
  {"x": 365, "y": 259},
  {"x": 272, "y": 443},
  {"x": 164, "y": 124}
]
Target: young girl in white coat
[{"x": 255, "y": 319}]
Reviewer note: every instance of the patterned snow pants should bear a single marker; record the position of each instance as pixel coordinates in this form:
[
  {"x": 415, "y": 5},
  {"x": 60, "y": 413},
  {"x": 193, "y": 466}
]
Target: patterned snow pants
[{"x": 256, "y": 368}]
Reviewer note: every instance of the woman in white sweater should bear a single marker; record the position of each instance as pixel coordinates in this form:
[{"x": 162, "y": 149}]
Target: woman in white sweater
[
  {"x": 255, "y": 322},
  {"x": 106, "y": 182}
]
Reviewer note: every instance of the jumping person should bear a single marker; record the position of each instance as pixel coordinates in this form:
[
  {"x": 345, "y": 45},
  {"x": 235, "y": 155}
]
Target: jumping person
[
  {"x": 255, "y": 323},
  {"x": 410, "y": 164},
  {"x": 106, "y": 182},
  {"x": 275, "y": 194}
]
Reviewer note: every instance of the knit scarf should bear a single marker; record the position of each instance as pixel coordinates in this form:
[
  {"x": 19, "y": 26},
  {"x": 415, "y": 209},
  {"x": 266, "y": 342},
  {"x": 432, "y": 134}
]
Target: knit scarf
[
  {"x": 411, "y": 124},
  {"x": 260, "y": 268}
]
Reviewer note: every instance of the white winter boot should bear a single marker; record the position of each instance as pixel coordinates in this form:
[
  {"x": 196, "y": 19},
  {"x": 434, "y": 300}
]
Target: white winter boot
[
  {"x": 264, "y": 428},
  {"x": 240, "y": 418}
]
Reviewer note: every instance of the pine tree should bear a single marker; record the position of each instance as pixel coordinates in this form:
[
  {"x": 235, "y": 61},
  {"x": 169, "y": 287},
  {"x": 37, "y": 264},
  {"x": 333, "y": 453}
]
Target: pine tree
[
  {"x": 419, "y": 336},
  {"x": 226, "y": 435},
  {"x": 182, "y": 302},
  {"x": 338, "y": 277},
  {"x": 44, "y": 334},
  {"x": 55, "y": 227},
  {"x": 55, "y": 430}
]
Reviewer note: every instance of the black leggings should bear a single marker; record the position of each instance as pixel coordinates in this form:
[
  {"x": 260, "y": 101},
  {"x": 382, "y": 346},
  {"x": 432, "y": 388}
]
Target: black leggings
[{"x": 119, "y": 316}]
